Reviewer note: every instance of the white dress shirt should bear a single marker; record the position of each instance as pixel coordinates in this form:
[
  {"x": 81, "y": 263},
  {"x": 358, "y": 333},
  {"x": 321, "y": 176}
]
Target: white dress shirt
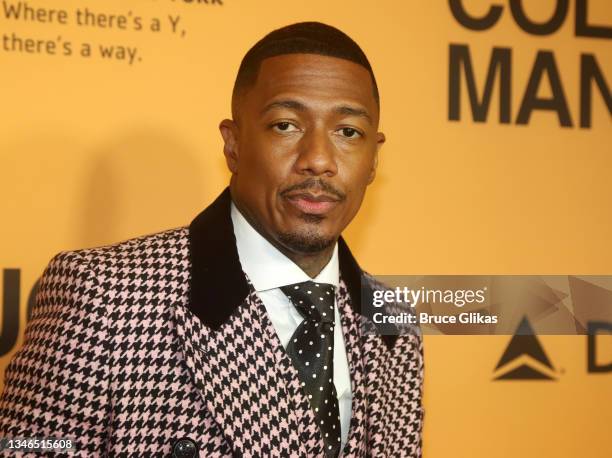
[{"x": 268, "y": 269}]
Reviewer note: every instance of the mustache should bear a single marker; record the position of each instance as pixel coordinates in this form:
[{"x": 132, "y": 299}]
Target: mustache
[{"x": 315, "y": 184}]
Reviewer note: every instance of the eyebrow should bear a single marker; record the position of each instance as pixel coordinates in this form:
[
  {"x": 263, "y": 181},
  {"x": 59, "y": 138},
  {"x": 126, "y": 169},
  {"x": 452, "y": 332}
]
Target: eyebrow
[
  {"x": 290, "y": 104},
  {"x": 351, "y": 111},
  {"x": 299, "y": 106}
]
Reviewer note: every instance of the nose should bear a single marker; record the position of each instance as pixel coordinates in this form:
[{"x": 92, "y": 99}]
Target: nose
[{"x": 316, "y": 154}]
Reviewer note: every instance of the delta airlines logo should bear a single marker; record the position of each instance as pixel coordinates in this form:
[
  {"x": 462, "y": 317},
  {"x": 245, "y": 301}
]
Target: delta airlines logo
[{"x": 524, "y": 357}]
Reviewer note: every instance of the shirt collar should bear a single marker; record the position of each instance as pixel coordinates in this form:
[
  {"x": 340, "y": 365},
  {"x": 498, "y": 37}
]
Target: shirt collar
[
  {"x": 268, "y": 268},
  {"x": 217, "y": 282}
]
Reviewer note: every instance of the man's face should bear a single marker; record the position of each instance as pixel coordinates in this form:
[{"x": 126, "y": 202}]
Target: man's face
[{"x": 303, "y": 148}]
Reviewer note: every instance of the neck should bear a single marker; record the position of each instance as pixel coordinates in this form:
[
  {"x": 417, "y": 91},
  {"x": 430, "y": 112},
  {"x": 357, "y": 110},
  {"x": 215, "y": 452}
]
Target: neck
[{"x": 311, "y": 263}]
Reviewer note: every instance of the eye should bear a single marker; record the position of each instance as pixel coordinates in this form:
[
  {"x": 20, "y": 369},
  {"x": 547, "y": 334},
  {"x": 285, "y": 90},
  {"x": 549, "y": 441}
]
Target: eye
[
  {"x": 284, "y": 126},
  {"x": 349, "y": 132}
]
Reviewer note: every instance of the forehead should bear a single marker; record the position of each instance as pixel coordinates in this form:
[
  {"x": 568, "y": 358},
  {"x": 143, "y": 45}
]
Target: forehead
[{"x": 314, "y": 79}]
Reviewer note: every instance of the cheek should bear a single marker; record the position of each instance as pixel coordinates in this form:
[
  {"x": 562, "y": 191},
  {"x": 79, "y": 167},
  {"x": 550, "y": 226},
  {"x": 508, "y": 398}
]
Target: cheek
[
  {"x": 356, "y": 170},
  {"x": 356, "y": 176},
  {"x": 255, "y": 159},
  {"x": 264, "y": 166},
  {"x": 355, "y": 199}
]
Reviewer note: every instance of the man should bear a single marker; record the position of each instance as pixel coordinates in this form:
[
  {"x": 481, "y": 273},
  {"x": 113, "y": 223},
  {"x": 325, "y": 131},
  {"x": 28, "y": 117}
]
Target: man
[{"x": 240, "y": 335}]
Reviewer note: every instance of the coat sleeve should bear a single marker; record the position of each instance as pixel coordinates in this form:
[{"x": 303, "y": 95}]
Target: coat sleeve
[
  {"x": 416, "y": 385},
  {"x": 57, "y": 384}
]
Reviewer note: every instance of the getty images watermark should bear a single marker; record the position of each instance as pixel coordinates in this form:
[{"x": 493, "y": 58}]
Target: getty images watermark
[
  {"x": 412, "y": 298},
  {"x": 489, "y": 305}
]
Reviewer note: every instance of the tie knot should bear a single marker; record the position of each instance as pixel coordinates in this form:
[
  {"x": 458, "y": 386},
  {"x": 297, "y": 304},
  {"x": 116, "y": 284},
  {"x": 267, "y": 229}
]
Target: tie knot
[{"x": 314, "y": 301}]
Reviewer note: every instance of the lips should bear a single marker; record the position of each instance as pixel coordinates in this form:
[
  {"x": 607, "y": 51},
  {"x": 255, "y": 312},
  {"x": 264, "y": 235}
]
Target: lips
[{"x": 312, "y": 204}]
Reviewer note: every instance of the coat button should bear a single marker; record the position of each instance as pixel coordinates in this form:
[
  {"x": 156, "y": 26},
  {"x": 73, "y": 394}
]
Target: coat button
[{"x": 184, "y": 448}]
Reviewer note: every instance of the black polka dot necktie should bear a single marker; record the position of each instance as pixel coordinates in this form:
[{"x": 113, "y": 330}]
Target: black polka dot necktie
[{"x": 311, "y": 349}]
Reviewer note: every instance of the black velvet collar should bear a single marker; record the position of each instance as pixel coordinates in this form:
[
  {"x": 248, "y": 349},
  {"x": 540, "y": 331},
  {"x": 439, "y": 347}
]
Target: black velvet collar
[{"x": 218, "y": 285}]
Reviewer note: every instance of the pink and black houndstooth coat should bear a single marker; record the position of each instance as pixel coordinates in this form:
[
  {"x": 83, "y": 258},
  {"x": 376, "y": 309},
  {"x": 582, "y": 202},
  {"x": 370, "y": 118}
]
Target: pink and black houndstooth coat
[{"x": 158, "y": 346}]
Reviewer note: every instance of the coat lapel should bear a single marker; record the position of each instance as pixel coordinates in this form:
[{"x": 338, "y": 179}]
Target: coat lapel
[
  {"x": 351, "y": 330},
  {"x": 300, "y": 417},
  {"x": 236, "y": 367}
]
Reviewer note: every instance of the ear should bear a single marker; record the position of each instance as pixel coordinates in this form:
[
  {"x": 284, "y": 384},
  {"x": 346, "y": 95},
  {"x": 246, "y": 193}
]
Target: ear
[
  {"x": 229, "y": 132},
  {"x": 380, "y": 139}
]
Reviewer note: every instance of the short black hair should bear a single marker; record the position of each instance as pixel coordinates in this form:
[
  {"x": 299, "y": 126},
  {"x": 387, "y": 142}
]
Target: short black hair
[{"x": 300, "y": 38}]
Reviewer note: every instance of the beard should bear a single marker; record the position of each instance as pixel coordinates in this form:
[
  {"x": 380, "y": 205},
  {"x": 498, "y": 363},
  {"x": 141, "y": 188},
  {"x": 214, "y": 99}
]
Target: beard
[{"x": 308, "y": 239}]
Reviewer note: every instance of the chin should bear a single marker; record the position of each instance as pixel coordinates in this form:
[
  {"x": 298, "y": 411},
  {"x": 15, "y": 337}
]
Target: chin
[{"x": 307, "y": 240}]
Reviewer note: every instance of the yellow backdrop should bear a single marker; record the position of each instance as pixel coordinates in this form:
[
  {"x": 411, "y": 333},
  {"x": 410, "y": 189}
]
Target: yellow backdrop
[{"x": 123, "y": 141}]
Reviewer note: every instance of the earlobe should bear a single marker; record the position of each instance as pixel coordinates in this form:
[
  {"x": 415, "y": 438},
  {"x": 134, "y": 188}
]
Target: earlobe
[
  {"x": 380, "y": 139},
  {"x": 373, "y": 169},
  {"x": 229, "y": 132}
]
